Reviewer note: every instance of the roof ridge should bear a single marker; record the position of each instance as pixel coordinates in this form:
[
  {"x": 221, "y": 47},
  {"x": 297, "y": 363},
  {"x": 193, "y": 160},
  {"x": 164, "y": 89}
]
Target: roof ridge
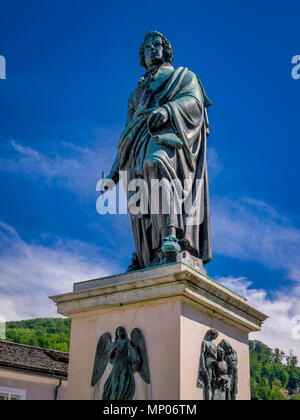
[
  {"x": 34, "y": 347},
  {"x": 30, "y": 367}
]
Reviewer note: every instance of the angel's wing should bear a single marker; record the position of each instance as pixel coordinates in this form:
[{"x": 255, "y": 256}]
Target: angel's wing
[
  {"x": 138, "y": 342},
  {"x": 101, "y": 357}
]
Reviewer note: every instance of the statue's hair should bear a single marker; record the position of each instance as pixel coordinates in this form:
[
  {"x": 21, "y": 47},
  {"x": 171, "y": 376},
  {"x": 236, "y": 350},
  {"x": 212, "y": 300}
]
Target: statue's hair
[
  {"x": 122, "y": 332},
  {"x": 168, "y": 51},
  {"x": 211, "y": 334},
  {"x": 225, "y": 345}
]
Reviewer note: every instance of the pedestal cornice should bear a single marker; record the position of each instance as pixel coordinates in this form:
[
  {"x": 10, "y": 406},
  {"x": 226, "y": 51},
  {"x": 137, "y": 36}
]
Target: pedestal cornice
[{"x": 174, "y": 281}]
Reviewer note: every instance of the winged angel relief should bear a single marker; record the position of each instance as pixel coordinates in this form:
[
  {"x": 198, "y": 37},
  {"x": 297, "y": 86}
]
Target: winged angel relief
[{"x": 127, "y": 357}]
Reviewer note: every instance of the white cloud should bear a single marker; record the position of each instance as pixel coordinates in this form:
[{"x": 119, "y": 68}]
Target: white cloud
[
  {"x": 252, "y": 230},
  {"x": 29, "y": 273},
  {"x": 73, "y": 167},
  {"x": 281, "y": 309}
]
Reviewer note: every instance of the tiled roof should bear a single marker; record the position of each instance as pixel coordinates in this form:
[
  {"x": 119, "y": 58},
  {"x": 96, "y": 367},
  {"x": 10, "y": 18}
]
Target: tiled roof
[{"x": 33, "y": 359}]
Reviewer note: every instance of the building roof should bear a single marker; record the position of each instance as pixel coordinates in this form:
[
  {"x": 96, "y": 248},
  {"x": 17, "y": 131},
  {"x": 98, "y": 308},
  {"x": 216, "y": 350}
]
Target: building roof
[{"x": 33, "y": 359}]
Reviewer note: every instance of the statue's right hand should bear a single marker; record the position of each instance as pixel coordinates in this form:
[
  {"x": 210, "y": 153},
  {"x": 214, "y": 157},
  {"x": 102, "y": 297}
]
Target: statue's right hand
[{"x": 107, "y": 184}]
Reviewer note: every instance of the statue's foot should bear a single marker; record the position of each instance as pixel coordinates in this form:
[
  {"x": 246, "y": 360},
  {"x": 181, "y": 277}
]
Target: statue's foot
[{"x": 170, "y": 245}]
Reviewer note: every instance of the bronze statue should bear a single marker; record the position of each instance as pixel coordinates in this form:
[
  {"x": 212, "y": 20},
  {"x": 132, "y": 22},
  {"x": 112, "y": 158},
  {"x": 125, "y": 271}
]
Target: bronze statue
[
  {"x": 208, "y": 357},
  {"x": 222, "y": 383},
  {"x": 126, "y": 356},
  {"x": 218, "y": 369},
  {"x": 165, "y": 140},
  {"x": 232, "y": 362}
]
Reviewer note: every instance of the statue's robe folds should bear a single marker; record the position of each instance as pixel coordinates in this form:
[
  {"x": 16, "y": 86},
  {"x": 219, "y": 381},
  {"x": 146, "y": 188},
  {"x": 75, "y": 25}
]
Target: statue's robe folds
[{"x": 182, "y": 156}]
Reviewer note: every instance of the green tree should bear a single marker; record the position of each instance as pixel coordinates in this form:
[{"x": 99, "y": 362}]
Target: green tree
[
  {"x": 276, "y": 395},
  {"x": 278, "y": 356},
  {"x": 51, "y": 333},
  {"x": 264, "y": 389},
  {"x": 270, "y": 368}
]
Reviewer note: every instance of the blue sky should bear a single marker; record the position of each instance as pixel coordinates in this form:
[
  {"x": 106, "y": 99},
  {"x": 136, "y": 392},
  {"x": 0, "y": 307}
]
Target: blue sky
[{"x": 71, "y": 66}]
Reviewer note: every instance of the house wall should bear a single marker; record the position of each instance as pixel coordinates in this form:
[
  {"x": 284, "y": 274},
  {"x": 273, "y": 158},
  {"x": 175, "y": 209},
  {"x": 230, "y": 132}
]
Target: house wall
[{"x": 37, "y": 387}]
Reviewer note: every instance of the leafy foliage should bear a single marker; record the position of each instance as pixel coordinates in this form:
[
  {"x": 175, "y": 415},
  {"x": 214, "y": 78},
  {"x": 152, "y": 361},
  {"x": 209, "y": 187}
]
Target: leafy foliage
[
  {"x": 49, "y": 333},
  {"x": 271, "y": 371}
]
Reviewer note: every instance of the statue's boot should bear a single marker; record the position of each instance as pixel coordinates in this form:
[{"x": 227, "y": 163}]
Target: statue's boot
[
  {"x": 170, "y": 245},
  {"x": 170, "y": 248}
]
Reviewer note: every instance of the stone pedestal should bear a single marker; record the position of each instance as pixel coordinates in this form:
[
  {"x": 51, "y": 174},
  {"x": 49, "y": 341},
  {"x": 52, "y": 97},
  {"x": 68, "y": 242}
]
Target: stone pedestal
[{"x": 174, "y": 306}]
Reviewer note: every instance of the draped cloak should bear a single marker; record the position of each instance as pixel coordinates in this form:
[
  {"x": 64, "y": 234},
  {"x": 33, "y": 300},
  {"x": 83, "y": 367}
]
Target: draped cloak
[{"x": 182, "y": 156}]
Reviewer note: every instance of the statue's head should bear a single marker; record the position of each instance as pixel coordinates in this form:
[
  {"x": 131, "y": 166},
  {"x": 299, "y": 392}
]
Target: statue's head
[
  {"x": 226, "y": 346},
  {"x": 155, "y": 50},
  {"x": 120, "y": 333},
  {"x": 211, "y": 334},
  {"x": 221, "y": 353}
]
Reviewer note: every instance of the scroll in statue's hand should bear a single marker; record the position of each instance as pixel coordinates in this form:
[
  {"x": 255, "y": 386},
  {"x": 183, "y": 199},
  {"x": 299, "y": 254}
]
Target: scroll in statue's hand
[{"x": 157, "y": 118}]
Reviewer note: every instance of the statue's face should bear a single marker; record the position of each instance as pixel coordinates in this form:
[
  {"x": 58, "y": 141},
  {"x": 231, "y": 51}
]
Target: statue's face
[
  {"x": 221, "y": 354},
  {"x": 120, "y": 333},
  {"x": 153, "y": 51},
  {"x": 214, "y": 335}
]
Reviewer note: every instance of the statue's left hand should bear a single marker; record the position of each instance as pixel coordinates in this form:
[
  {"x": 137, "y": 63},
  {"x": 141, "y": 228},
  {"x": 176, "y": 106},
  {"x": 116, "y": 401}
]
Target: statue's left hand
[{"x": 157, "y": 118}]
